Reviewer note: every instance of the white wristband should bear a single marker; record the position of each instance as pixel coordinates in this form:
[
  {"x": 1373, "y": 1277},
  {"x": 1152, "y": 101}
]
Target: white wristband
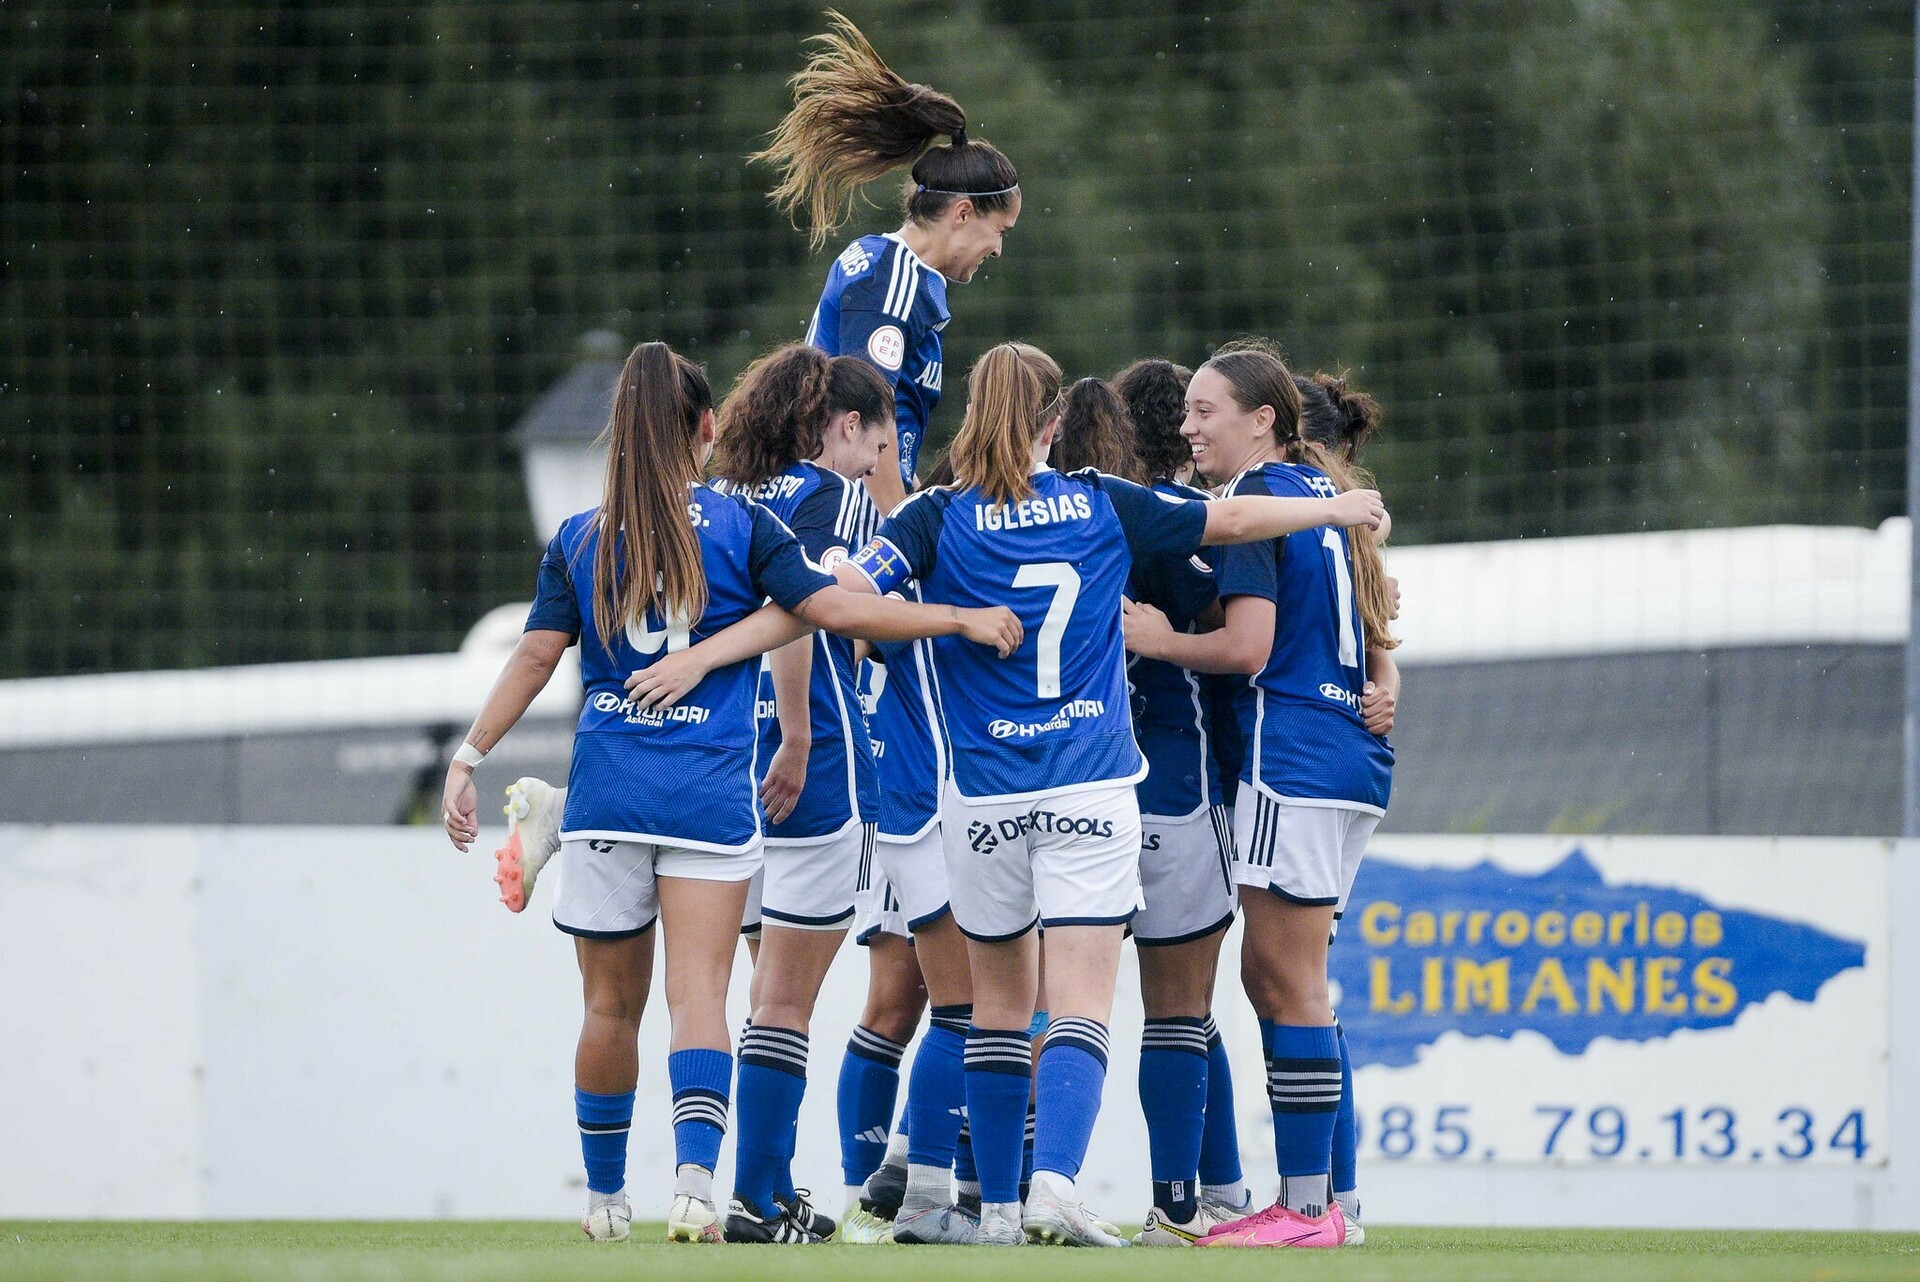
[{"x": 469, "y": 756}]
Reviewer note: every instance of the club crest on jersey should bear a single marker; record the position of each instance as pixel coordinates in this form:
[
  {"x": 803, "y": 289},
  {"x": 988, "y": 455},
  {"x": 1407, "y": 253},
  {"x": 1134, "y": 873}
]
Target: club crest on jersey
[
  {"x": 888, "y": 347},
  {"x": 1001, "y": 728}
]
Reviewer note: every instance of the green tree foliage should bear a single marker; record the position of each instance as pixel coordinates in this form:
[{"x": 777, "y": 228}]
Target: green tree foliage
[{"x": 277, "y": 281}]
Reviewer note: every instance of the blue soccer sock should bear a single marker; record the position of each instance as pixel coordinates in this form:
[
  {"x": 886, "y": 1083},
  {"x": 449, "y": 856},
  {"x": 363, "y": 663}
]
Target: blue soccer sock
[
  {"x": 1173, "y": 1095},
  {"x": 773, "y": 1080},
  {"x": 1067, "y": 1089},
  {"x": 1346, "y": 1147},
  {"x": 1303, "y": 1089},
  {"x": 937, "y": 1092},
  {"x": 1220, "y": 1173},
  {"x": 999, "y": 1078},
  {"x": 605, "y": 1121},
  {"x": 701, "y": 1079},
  {"x": 966, "y": 1172},
  {"x": 869, "y": 1085}
]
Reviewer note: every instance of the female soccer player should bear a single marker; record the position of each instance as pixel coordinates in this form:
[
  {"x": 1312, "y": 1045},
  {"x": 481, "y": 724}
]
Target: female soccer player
[
  {"x": 1342, "y": 419},
  {"x": 796, "y": 434},
  {"x": 1186, "y": 857},
  {"x": 1040, "y": 824},
  {"x": 660, "y": 815},
  {"x": 855, "y": 120},
  {"x": 1300, "y": 612}
]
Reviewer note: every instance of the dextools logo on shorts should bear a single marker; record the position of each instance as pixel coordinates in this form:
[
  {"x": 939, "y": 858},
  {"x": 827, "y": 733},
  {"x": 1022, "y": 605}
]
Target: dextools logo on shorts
[
  {"x": 984, "y": 837},
  {"x": 635, "y": 715},
  {"x": 1058, "y": 721}
]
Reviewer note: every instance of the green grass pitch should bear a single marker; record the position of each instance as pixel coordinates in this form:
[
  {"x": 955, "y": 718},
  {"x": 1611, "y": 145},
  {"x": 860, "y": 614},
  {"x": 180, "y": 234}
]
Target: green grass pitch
[{"x": 526, "y": 1252}]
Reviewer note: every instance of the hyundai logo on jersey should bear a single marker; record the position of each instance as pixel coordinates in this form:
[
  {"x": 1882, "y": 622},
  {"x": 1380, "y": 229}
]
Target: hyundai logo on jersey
[
  {"x": 1486, "y": 952},
  {"x": 1078, "y": 708}
]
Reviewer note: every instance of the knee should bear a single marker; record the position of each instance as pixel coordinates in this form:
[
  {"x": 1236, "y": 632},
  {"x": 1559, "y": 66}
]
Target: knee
[
  {"x": 896, "y": 1015},
  {"x": 618, "y": 1003}
]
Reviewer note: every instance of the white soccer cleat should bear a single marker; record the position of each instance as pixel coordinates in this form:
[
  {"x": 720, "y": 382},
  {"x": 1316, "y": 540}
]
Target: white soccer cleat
[
  {"x": 609, "y": 1217},
  {"x": 1048, "y": 1221},
  {"x": 999, "y": 1225},
  {"x": 692, "y": 1220},
  {"x": 1162, "y": 1230},
  {"x": 534, "y": 809},
  {"x": 862, "y": 1227}
]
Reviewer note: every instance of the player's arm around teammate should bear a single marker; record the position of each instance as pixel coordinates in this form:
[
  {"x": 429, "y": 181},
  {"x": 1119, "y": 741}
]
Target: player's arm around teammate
[
  {"x": 1316, "y": 780},
  {"x": 660, "y": 820},
  {"x": 1041, "y": 825}
]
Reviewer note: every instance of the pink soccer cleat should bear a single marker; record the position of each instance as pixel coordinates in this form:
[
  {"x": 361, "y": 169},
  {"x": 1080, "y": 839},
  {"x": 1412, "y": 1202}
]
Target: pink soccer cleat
[{"x": 1278, "y": 1226}]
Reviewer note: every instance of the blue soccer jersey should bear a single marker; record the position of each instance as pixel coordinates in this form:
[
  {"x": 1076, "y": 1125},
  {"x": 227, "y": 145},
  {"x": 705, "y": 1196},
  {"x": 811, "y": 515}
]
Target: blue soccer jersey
[
  {"x": 682, "y": 777},
  {"x": 908, "y": 744},
  {"x": 1170, "y": 714},
  {"x": 831, "y": 516},
  {"x": 884, "y": 303},
  {"x": 1300, "y": 714},
  {"x": 1053, "y": 718}
]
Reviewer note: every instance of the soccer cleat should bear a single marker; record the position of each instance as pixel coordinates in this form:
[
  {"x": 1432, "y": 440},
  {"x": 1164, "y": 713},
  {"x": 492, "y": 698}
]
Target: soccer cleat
[
  {"x": 534, "y": 809},
  {"x": 886, "y": 1190},
  {"x": 1221, "y": 1211},
  {"x": 693, "y": 1220},
  {"x": 1356, "y": 1234},
  {"x": 937, "y": 1226},
  {"x": 801, "y": 1212},
  {"x": 744, "y": 1224},
  {"x": 1162, "y": 1230},
  {"x": 863, "y": 1228},
  {"x": 609, "y": 1217},
  {"x": 1048, "y": 1221},
  {"x": 1280, "y": 1226},
  {"x": 999, "y": 1225}
]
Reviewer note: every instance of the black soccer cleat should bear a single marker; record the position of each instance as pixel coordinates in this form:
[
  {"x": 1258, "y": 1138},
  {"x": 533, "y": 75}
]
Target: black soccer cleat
[
  {"x": 801, "y": 1212},
  {"x": 886, "y": 1190},
  {"x": 744, "y": 1224}
]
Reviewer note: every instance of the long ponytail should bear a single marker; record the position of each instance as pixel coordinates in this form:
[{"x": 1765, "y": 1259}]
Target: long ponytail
[
  {"x": 1011, "y": 393},
  {"x": 855, "y": 120},
  {"x": 1259, "y": 376},
  {"x": 652, "y": 461}
]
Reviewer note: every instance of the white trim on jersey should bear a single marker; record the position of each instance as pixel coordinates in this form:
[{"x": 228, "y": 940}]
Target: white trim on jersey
[
  {"x": 813, "y": 328},
  {"x": 847, "y": 723},
  {"x": 1319, "y": 803}
]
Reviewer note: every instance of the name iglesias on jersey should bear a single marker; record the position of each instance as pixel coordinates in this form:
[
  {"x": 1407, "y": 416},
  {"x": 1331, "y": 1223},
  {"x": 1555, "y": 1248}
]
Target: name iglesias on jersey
[{"x": 1044, "y": 510}]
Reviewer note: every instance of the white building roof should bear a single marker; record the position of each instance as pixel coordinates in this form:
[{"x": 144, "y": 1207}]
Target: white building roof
[{"x": 1468, "y": 602}]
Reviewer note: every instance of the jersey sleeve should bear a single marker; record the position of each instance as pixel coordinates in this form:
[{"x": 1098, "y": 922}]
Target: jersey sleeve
[
  {"x": 555, "y": 607},
  {"x": 1248, "y": 569},
  {"x": 778, "y": 564},
  {"x": 905, "y": 546},
  {"x": 875, "y": 316},
  {"x": 1155, "y": 524},
  {"x": 816, "y": 522}
]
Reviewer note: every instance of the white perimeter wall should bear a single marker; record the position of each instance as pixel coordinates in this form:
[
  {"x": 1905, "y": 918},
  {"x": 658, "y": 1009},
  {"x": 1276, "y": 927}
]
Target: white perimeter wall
[{"x": 312, "y": 1023}]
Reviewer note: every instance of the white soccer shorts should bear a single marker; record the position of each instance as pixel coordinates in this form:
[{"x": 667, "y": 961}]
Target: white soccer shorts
[
  {"x": 1072, "y": 859},
  {"x": 1186, "y": 877},
  {"x": 914, "y": 875},
  {"x": 879, "y": 913},
  {"x": 609, "y": 889},
  {"x": 1305, "y": 853},
  {"x": 811, "y": 886}
]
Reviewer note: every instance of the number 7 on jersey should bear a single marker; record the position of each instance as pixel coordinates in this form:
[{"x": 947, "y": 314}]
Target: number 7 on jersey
[{"x": 1065, "y": 582}]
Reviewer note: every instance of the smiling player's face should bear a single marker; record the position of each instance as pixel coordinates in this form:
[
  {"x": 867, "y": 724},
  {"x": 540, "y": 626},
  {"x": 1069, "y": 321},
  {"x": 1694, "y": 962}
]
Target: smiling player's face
[
  {"x": 1221, "y": 433},
  {"x": 976, "y": 237}
]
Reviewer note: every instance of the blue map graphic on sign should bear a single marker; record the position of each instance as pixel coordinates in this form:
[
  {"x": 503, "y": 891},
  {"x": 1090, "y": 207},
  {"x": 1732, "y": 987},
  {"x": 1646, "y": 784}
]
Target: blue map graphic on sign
[{"x": 1488, "y": 953}]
